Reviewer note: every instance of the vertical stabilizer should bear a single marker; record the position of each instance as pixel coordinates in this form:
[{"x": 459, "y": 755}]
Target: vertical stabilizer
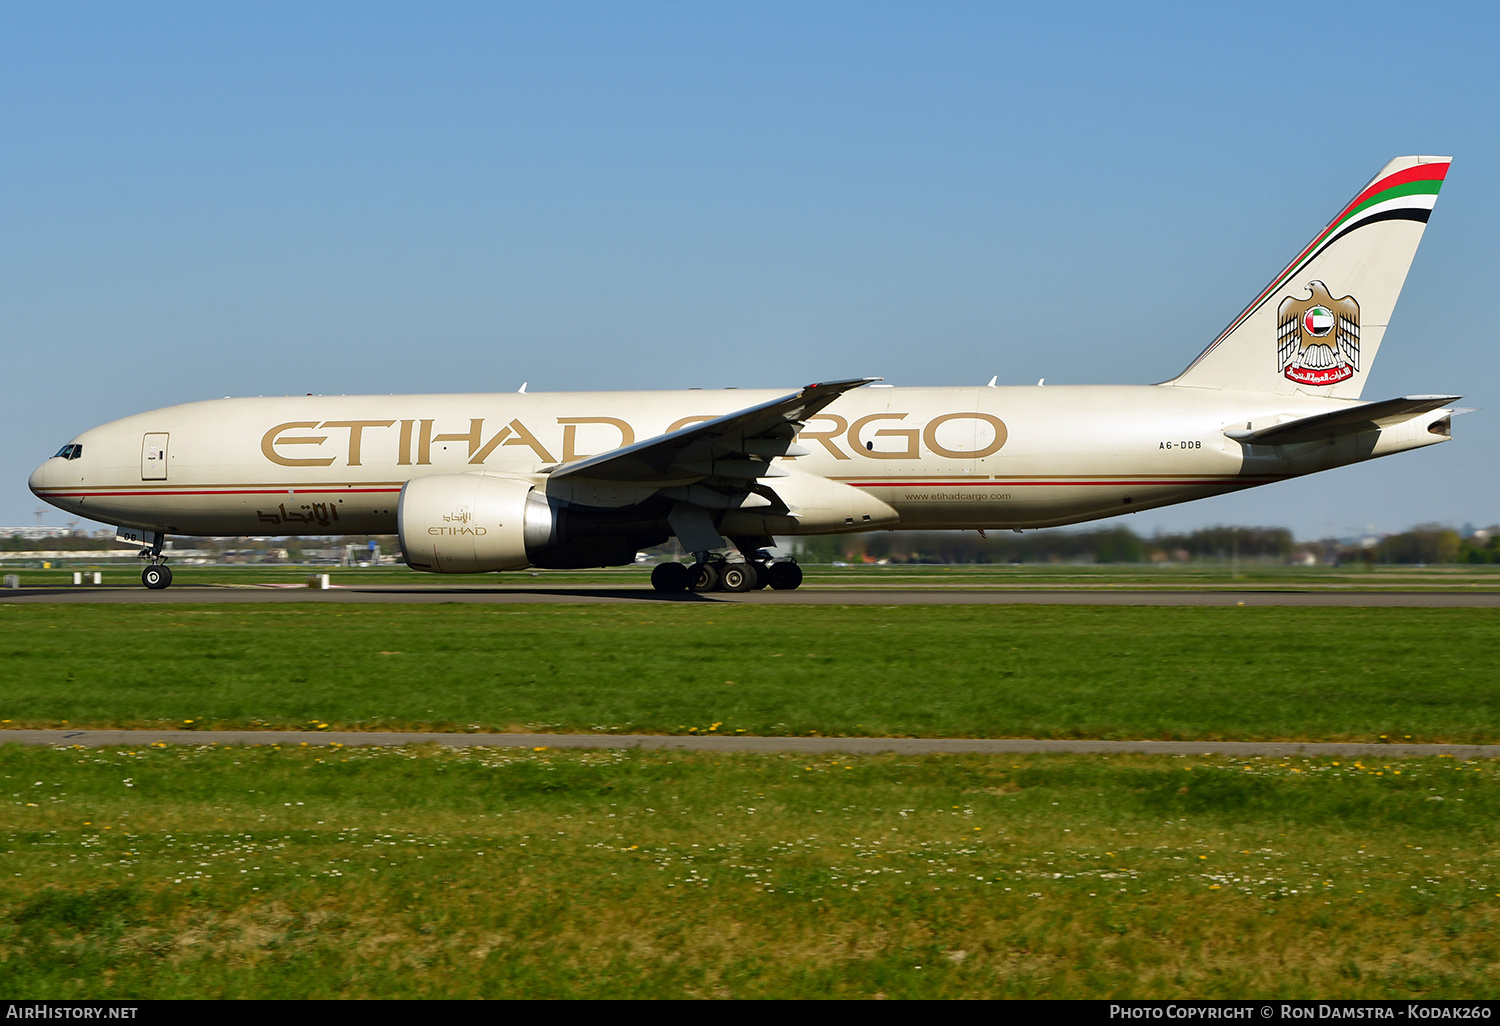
[{"x": 1317, "y": 327}]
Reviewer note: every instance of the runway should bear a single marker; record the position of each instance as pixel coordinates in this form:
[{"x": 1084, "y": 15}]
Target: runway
[
  {"x": 816, "y": 596},
  {"x": 768, "y": 745}
]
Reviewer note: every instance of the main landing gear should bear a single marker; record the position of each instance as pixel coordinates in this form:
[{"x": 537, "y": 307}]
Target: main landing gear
[
  {"x": 156, "y": 575},
  {"x": 715, "y": 573}
]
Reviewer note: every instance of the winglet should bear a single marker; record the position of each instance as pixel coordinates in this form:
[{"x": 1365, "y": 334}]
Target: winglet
[
  {"x": 840, "y": 386},
  {"x": 825, "y": 392}
]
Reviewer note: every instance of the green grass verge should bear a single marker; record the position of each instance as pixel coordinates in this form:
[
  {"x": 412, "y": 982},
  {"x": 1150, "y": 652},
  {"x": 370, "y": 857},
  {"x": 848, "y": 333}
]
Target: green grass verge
[
  {"x": 940, "y": 671},
  {"x": 1167, "y": 576},
  {"x": 296, "y": 872}
]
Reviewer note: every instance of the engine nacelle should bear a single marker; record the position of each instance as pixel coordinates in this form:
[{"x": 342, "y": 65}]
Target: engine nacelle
[{"x": 472, "y": 523}]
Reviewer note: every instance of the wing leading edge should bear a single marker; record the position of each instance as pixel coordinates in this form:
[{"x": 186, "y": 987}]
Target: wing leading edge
[{"x": 738, "y": 446}]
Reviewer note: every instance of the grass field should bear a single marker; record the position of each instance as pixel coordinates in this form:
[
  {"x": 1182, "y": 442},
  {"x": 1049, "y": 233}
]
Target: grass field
[
  {"x": 291, "y": 871},
  {"x": 957, "y": 671},
  {"x": 202, "y": 872},
  {"x": 1167, "y": 576}
]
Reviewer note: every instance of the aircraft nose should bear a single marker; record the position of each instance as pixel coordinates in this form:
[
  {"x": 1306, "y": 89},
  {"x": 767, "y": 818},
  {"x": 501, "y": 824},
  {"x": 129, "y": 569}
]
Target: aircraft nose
[
  {"x": 42, "y": 478},
  {"x": 54, "y": 485}
]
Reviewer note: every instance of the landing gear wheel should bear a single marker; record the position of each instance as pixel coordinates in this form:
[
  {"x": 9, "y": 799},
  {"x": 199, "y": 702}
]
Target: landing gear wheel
[
  {"x": 784, "y": 576},
  {"x": 739, "y": 577},
  {"x": 670, "y": 578},
  {"x": 703, "y": 577},
  {"x": 156, "y": 577},
  {"x": 762, "y": 576}
]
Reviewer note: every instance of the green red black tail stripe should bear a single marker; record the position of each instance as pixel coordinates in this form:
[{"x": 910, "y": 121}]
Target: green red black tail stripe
[{"x": 1406, "y": 195}]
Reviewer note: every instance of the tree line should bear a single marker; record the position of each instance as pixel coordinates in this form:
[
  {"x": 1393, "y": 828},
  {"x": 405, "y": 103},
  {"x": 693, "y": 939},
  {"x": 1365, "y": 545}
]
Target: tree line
[
  {"x": 1100, "y": 545},
  {"x": 1425, "y": 543}
]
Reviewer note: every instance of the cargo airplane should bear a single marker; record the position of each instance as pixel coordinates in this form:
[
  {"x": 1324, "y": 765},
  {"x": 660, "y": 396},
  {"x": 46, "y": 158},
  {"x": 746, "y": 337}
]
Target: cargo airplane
[{"x": 485, "y": 482}]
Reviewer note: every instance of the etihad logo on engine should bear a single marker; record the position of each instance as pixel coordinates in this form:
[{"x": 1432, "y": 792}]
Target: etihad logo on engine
[
  {"x": 962, "y": 435},
  {"x": 1317, "y": 338},
  {"x": 458, "y": 522}
]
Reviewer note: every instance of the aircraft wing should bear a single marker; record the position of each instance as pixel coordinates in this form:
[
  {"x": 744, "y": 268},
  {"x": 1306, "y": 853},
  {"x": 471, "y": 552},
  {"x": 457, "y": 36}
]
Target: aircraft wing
[
  {"x": 738, "y": 446},
  {"x": 1365, "y": 417}
]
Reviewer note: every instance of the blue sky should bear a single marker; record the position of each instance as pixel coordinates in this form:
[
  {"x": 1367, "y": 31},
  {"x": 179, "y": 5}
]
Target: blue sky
[{"x": 204, "y": 200}]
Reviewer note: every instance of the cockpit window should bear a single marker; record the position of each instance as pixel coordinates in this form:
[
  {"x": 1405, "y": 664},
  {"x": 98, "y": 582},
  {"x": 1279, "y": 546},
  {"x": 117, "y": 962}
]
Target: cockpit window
[{"x": 71, "y": 451}]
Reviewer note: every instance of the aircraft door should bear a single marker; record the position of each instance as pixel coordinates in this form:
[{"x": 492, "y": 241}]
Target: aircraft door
[{"x": 154, "y": 456}]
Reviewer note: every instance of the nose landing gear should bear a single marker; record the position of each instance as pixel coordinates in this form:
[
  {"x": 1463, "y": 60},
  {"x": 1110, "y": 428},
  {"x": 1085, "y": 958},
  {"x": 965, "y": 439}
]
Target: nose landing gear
[{"x": 156, "y": 575}]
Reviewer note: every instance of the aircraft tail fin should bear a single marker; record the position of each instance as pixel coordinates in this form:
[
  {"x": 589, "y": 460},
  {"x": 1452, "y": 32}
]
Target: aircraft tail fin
[{"x": 1317, "y": 326}]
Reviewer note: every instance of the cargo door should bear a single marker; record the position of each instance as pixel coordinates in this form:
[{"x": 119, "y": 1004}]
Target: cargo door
[{"x": 154, "y": 457}]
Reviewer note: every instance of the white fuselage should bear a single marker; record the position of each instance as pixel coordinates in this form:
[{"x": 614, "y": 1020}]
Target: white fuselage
[{"x": 940, "y": 457}]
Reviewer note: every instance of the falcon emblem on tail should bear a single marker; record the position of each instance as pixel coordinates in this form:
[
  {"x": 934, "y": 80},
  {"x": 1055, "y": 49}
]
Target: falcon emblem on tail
[{"x": 1317, "y": 338}]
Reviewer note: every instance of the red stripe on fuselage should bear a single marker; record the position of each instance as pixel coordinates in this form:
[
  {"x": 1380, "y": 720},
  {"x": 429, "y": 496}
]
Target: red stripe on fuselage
[{"x": 333, "y": 490}]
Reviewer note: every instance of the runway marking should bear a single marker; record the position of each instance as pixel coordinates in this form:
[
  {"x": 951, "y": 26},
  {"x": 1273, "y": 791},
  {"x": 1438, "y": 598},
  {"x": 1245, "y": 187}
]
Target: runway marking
[{"x": 802, "y": 745}]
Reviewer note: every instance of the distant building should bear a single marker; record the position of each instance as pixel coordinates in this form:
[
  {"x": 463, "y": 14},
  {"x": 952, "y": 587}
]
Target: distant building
[{"x": 34, "y": 533}]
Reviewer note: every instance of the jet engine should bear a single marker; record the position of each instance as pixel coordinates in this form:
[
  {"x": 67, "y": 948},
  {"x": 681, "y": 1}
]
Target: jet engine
[
  {"x": 478, "y": 523},
  {"x": 472, "y": 523}
]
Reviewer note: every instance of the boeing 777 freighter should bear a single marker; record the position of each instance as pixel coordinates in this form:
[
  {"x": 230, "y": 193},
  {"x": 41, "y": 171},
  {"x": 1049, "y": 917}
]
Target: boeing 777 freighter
[{"x": 484, "y": 482}]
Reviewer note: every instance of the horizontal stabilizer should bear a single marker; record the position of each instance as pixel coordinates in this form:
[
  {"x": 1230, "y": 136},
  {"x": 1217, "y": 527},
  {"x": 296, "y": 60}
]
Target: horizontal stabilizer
[{"x": 1365, "y": 417}]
